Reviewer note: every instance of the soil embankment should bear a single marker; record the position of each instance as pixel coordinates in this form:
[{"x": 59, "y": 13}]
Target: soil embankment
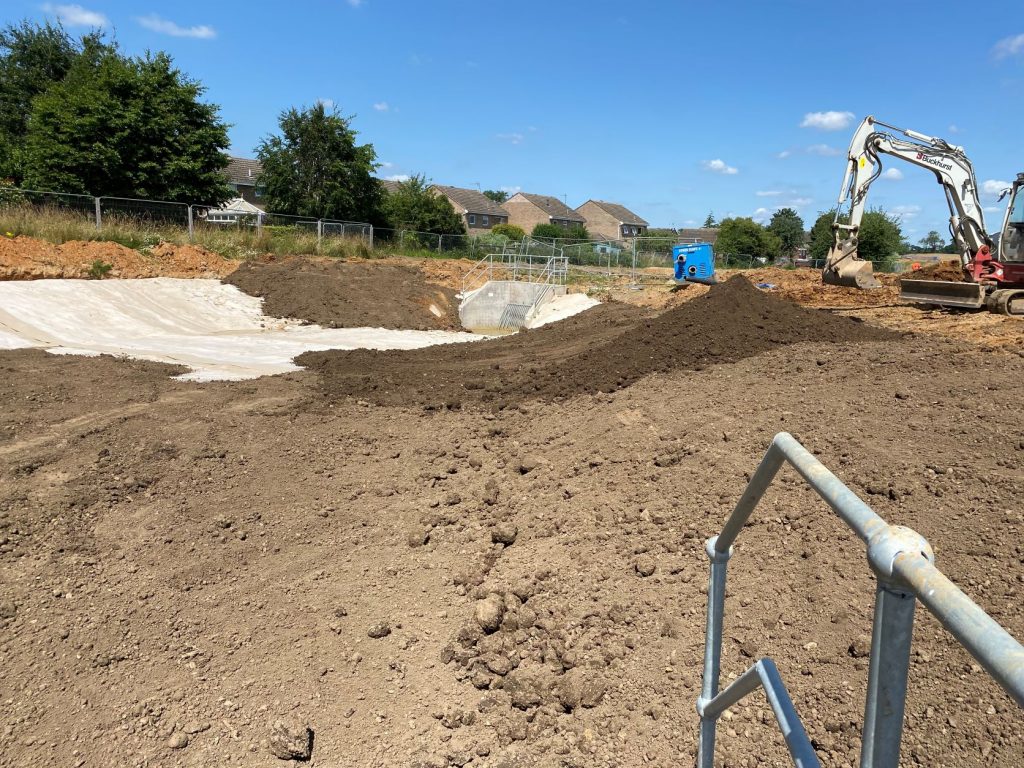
[{"x": 341, "y": 294}]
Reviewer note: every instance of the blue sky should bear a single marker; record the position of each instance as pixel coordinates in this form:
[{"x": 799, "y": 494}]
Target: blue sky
[{"x": 671, "y": 108}]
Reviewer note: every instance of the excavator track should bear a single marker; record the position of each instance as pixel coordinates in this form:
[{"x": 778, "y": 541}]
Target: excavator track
[{"x": 1007, "y": 301}]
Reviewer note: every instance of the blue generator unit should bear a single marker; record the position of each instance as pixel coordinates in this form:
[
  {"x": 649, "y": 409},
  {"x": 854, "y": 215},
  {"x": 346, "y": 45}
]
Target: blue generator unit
[{"x": 694, "y": 263}]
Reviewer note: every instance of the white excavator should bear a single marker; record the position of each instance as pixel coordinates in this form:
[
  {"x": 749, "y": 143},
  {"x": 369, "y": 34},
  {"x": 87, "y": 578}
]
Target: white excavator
[{"x": 993, "y": 268}]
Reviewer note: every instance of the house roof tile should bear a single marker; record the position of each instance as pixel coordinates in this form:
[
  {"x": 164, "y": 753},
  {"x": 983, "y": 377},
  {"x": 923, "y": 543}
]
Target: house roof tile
[
  {"x": 555, "y": 208},
  {"x": 243, "y": 171},
  {"x": 620, "y": 213},
  {"x": 471, "y": 200}
]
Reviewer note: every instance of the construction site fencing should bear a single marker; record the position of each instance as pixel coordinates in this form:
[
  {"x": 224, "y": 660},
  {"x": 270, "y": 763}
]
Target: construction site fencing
[
  {"x": 625, "y": 257},
  {"x": 903, "y": 563},
  {"x": 107, "y": 211}
]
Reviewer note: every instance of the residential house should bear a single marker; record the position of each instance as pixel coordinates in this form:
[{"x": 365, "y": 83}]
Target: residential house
[
  {"x": 236, "y": 211},
  {"x": 611, "y": 221},
  {"x": 243, "y": 175},
  {"x": 527, "y": 211},
  {"x": 698, "y": 235},
  {"x": 479, "y": 213},
  {"x": 390, "y": 185}
]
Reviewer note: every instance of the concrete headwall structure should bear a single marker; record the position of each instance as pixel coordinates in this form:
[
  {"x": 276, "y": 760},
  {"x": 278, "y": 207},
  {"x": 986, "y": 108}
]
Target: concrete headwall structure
[{"x": 504, "y": 304}]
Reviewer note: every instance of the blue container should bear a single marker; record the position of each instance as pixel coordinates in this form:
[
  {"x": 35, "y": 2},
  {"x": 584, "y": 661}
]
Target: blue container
[{"x": 694, "y": 263}]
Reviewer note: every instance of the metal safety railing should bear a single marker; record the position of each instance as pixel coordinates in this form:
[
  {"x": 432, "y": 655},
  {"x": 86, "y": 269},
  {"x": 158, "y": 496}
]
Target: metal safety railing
[
  {"x": 902, "y": 561},
  {"x": 513, "y": 265}
]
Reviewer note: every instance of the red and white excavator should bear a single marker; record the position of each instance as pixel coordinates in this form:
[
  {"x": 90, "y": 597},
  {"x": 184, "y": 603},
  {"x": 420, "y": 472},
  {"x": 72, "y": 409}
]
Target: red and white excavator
[{"x": 993, "y": 267}]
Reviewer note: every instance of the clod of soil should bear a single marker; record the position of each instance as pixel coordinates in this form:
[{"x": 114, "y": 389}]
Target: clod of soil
[
  {"x": 339, "y": 294},
  {"x": 602, "y": 350}
]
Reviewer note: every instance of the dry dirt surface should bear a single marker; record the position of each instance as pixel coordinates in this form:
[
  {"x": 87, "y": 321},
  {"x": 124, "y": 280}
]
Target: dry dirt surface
[
  {"x": 342, "y": 294},
  {"x": 194, "y": 575},
  {"x": 25, "y": 258}
]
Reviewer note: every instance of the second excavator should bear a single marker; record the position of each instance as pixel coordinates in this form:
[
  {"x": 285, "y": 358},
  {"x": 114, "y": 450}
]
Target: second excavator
[{"x": 993, "y": 267}]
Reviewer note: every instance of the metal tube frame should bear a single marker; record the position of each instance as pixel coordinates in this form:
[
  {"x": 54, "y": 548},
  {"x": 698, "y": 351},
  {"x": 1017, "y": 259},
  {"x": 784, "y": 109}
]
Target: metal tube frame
[{"x": 903, "y": 563}]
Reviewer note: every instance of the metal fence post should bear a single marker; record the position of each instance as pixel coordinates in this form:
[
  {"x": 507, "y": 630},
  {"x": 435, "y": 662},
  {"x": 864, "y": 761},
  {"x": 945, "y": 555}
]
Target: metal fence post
[
  {"x": 712, "y": 651},
  {"x": 890, "y": 648},
  {"x": 887, "y": 677},
  {"x": 319, "y": 233},
  {"x": 371, "y": 235},
  {"x": 191, "y": 225},
  {"x": 99, "y": 213}
]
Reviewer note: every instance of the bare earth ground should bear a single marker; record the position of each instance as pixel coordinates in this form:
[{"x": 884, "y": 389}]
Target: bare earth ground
[{"x": 182, "y": 564}]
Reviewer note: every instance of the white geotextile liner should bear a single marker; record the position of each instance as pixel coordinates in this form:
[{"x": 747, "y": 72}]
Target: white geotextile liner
[
  {"x": 214, "y": 329},
  {"x": 561, "y": 307}
]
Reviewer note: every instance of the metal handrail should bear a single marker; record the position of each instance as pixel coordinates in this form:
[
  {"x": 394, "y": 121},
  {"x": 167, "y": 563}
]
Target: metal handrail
[{"x": 902, "y": 561}]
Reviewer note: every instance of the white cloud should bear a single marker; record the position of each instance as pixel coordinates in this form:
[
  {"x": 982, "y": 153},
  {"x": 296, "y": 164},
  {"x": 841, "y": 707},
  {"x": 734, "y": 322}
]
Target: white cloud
[
  {"x": 76, "y": 15},
  {"x": 719, "y": 166},
  {"x": 827, "y": 121},
  {"x": 784, "y": 154},
  {"x": 355, "y": 3},
  {"x": 994, "y": 187},
  {"x": 397, "y": 177},
  {"x": 762, "y": 215},
  {"x": 1009, "y": 46},
  {"x": 511, "y": 190},
  {"x": 905, "y": 211},
  {"x": 954, "y": 128},
  {"x": 154, "y": 23},
  {"x": 823, "y": 150},
  {"x": 895, "y": 174},
  {"x": 386, "y": 165},
  {"x": 768, "y": 193},
  {"x": 382, "y": 106},
  {"x": 511, "y": 138},
  {"x": 326, "y": 103},
  {"x": 798, "y": 202}
]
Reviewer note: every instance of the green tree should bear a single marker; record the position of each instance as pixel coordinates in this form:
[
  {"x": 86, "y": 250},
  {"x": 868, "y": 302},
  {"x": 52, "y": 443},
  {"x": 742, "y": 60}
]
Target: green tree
[
  {"x": 414, "y": 206},
  {"x": 128, "y": 127},
  {"x": 576, "y": 234},
  {"x": 315, "y": 168},
  {"x": 787, "y": 225},
  {"x": 548, "y": 231},
  {"x": 880, "y": 237},
  {"x": 32, "y": 58},
  {"x": 709, "y": 222},
  {"x": 821, "y": 235},
  {"x": 932, "y": 242},
  {"x": 497, "y": 195},
  {"x": 511, "y": 231},
  {"x": 745, "y": 237}
]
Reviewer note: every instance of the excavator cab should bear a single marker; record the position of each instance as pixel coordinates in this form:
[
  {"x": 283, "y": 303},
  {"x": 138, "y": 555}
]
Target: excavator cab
[{"x": 1011, "y": 239}]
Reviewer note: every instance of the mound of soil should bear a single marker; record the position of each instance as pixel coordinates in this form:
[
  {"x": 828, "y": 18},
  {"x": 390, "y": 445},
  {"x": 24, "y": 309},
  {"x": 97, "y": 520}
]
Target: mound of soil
[
  {"x": 339, "y": 294},
  {"x": 948, "y": 271},
  {"x": 26, "y": 258},
  {"x": 602, "y": 350}
]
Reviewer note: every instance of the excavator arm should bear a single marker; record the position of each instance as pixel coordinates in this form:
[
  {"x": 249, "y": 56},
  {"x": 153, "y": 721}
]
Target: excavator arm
[{"x": 954, "y": 173}]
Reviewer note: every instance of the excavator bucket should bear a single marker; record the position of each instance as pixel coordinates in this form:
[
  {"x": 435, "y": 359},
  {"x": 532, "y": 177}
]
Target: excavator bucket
[
  {"x": 842, "y": 267},
  {"x": 942, "y": 293}
]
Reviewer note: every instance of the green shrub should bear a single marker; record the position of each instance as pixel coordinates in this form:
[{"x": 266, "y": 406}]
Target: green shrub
[
  {"x": 511, "y": 231},
  {"x": 99, "y": 269}
]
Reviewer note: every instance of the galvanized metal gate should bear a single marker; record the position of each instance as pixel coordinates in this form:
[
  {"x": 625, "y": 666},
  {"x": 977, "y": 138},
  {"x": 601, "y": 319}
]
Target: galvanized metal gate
[{"x": 903, "y": 563}]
